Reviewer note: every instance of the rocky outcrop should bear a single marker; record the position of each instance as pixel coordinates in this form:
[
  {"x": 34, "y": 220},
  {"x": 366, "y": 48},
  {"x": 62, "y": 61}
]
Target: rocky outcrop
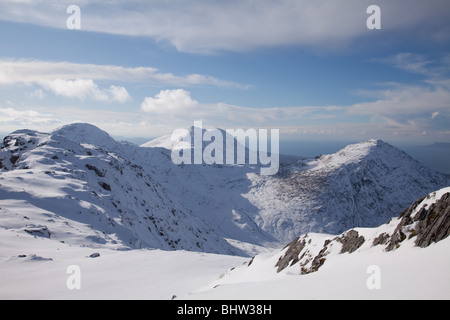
[
  {"x": 351, "y": 241},
  {"x": 99, "y": 172},
  {"x": 298, "y": 251},
  {"x": 425, "y": 222},
  {"x": 434, "y": 223},
  {"x": 428, "y": 223},
  {"x": 292, "y": 254},
  {"x": 38, "y": 231}
]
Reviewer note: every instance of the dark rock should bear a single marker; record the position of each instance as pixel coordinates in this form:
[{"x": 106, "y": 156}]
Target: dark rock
[
  {"x": 14, "y": 159},
  {"x": 396, "y": 238},
  {"x": 430, "y": 224},
  {"x": 41, "y": 231},
  {"x": 351, "y": 241},
  {"x": 319, "y": 260},
  {"x": 105, "y": 186},
  {"x": 292, "y": 254},
  {"x": 434, "y": 222},
  {"x": 381, "y": 239},
  {"x": 99, "y": 172}
]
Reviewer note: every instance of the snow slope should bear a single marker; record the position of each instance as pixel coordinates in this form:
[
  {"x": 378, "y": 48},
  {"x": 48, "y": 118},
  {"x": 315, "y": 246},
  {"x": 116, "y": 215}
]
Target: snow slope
[
  {"x": 38, "y": 267},
  {"x": 362, "y": 263}
]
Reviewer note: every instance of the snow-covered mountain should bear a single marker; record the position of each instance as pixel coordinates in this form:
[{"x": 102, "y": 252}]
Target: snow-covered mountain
[
  {"x": 361, "y": 185},
  {"x": 78, "y": 185},
  {"x": 76, "y": 197}
]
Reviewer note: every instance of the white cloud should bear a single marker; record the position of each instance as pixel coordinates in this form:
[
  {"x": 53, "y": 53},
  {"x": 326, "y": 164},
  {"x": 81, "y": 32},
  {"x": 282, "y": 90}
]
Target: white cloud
[
  {"x": 418, "y": 64},
  {"x": 119, "y": 94},
  {"x": 177, "y": 106},
  {"x": 11, "y": 116},
  {"x": 403, "y": 111},
  {"x": 170, "y": 102},
  {"x": 236, "y": 25},
  {"x": 74, "y": 80},
  {"x": 82, "y": 89},
  {"x": 400, "y": 112},
  {"x": 35, "y": 71},
  {"x": 407, "y": 101}
]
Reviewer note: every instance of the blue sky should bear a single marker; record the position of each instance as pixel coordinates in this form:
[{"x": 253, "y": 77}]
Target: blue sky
[{"x": 311, "y": 69}]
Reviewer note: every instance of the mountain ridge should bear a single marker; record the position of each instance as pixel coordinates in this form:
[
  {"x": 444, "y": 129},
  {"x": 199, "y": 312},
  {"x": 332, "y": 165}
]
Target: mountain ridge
[{"x": 102, "y": 192}]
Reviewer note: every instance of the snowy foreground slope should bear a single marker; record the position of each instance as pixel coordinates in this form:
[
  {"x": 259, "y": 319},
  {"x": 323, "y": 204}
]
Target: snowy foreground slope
[
  {"x": 407, "y": 258},
  {"x": 39, "y": 268}
]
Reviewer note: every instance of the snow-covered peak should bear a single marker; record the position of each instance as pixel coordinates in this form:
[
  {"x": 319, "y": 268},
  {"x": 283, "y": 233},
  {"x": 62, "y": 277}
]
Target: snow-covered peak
[
  {"x": 171, "y": 140},
  {"x": 363, "y": 185},
  {"x": 361, "y": 149},
  {"x": 193, "y": 137},
  {"x": 366, "y": 148},
  {"x": 355, "y": 153},
  {"x": 182, "y": 138},
  {"x": 86, "y": 134}
]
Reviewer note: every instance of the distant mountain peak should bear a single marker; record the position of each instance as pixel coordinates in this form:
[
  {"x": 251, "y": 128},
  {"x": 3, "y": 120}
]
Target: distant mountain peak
[
  {"x": 355, "y": 153},
  {"x": 86, "y": 133}
]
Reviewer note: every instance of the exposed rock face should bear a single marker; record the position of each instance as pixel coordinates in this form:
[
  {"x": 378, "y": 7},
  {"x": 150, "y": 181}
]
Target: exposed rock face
[
  {"x": 434, "y": 223},
  {"x": 425, "y": 222},
  {"x": 317, "y": 262},
  {"x": 428, "y": 223},
  {"x": 292, "y": 254},
  {"x": 14, "y": 158},
  {"x": 351, "y": 241},
  {"x": 381, "y": 239},
  {"x": 309, "y": 261}
]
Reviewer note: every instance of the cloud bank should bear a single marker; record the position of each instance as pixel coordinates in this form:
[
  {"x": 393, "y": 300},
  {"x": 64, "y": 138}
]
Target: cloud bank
[
  {"x": 76, "y": 80},
  {"x": 25, "y": 70},
  {"x": 237, "y": 25},
  {"x": 400, "y": 110}
]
